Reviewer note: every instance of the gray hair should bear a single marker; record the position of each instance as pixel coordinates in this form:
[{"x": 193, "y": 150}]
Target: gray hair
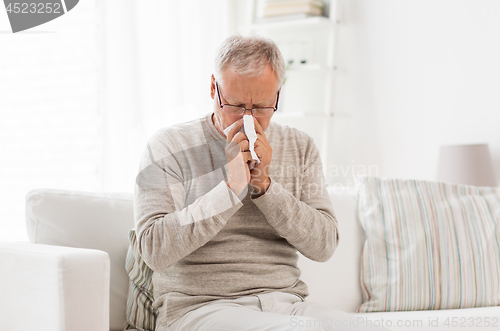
[{"x": 249, "y": 55}]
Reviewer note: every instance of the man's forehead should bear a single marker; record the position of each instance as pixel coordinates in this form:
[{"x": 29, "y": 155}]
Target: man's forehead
[{"x": 262, "y": 84}]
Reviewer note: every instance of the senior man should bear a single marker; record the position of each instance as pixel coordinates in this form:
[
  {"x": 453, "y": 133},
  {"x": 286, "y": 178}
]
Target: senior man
[{"x": 221, "y": 226}]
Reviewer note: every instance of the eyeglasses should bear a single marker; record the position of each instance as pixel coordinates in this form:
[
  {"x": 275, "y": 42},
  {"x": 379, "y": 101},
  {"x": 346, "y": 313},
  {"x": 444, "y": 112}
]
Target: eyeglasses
[{"x": 238, "y": 110}]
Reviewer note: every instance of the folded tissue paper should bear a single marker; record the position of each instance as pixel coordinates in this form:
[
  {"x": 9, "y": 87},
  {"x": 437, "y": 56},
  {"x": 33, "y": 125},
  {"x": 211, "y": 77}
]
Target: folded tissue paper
[{"x": 249, "y": 129}]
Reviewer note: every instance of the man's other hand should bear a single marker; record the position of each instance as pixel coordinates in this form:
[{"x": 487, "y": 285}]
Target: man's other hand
[{"x": 260, "y": 180}]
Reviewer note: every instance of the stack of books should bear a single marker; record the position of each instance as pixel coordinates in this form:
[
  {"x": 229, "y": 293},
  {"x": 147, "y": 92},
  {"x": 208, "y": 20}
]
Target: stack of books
[{"x": 295, "y": 8}]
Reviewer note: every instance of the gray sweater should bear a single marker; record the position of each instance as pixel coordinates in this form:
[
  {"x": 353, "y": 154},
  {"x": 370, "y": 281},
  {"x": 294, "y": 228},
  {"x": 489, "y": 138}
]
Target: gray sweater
[{"x": 205, "y": 243}]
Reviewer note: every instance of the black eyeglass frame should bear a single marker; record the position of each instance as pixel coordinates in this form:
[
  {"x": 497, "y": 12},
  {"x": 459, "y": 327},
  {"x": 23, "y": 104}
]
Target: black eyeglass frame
[{"x": 275, "y": 108}]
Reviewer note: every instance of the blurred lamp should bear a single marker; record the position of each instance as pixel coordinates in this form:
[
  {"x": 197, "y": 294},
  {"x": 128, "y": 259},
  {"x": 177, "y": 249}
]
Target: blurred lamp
[{"x": 466, "y": 164}]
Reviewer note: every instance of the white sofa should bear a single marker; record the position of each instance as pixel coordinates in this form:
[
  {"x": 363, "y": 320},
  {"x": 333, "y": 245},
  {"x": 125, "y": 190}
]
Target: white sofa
[{"x": 72, "y": 275}]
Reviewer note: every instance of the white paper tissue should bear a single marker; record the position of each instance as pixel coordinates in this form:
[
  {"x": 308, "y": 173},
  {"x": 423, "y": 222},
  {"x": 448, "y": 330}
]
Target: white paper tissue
[{"x": 249, "y": 129}]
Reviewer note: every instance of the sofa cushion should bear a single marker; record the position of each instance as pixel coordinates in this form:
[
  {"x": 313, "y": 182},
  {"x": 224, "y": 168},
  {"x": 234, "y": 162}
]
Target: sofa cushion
[
  {"x": 140, "y": 312},
  {"x": 428, "y": 245},
  {"x": 86, "y": 220},
  {"x": 335, "y": 283}
]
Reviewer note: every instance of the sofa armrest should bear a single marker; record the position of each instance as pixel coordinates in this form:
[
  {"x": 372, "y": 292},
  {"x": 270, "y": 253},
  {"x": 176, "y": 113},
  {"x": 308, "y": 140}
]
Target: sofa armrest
[{"x": 55, "y": 288}]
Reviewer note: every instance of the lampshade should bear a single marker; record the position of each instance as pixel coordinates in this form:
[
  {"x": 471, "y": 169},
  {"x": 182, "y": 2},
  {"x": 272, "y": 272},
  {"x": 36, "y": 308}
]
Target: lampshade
[{"x": 466, "y": 164}]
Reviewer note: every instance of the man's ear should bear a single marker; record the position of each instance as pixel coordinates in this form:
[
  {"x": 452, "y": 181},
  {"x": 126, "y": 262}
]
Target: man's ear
[{"x": 212, "y": 87}]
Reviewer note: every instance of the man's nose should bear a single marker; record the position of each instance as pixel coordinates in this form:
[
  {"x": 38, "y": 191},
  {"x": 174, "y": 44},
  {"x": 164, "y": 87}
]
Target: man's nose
[{"x": 247, "y": 112}]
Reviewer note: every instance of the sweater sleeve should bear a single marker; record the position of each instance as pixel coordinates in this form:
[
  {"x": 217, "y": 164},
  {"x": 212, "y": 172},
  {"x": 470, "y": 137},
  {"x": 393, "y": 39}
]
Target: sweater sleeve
[
  {"x": 308, "y": 223},
  {"x": 169, "y": 226}
]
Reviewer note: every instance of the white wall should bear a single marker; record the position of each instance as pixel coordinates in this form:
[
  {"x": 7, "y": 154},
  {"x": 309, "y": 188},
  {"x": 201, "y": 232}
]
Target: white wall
[{"x": 413, "y": 75}]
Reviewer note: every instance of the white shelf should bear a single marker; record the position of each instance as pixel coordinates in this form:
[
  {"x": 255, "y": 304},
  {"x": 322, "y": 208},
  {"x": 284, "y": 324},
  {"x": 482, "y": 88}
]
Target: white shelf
[
  {"x": 279, "y": 23},
  {"x": 319, "y": 67}
]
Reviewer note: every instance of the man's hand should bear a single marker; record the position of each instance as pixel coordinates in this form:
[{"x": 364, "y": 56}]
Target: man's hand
[
  {"x": 237, "y": 156},
  {"x": 260, "y": 180}
]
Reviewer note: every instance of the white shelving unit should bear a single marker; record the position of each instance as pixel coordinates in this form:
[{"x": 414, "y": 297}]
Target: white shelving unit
[{"x": 308, "y": 45}]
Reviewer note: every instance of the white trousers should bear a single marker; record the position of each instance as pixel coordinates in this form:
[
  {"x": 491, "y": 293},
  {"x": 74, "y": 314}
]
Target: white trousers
[{"x": 274, "y": 311}]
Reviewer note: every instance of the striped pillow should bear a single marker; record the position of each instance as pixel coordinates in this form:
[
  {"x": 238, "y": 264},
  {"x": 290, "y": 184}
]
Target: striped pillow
[
  {"x": 428, "y": 245},
  {"x": 140, "y": 313}
]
